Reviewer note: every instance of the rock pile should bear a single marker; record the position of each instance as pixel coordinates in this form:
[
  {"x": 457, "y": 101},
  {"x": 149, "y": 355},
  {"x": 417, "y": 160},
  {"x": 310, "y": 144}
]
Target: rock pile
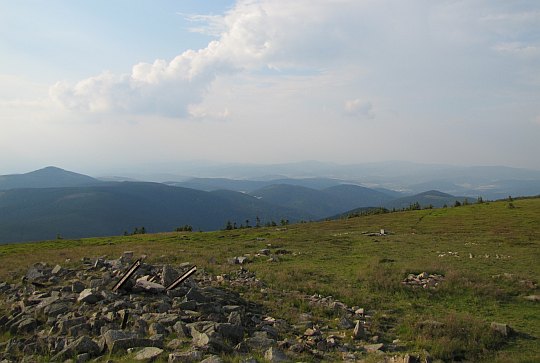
[
  {"x": 71, "y": 313},
  {"x": 424, "y": 280}
]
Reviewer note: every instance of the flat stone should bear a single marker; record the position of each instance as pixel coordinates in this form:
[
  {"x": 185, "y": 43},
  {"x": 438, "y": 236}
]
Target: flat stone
[
  {"x": 56, "y": 308},
  {"x": 124, "y": 344},
  {"x": 148, "y": 354},
  {"x": 89, "y": 296},
  {"x": 191, "y": 356},
  {"x": 111, "y": 336},
  {"x": 370, "y": 348},
  {"x": 149, "y": 287}
]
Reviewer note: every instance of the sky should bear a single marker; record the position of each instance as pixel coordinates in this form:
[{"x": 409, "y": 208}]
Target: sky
[{"x": 97, "y": 86}]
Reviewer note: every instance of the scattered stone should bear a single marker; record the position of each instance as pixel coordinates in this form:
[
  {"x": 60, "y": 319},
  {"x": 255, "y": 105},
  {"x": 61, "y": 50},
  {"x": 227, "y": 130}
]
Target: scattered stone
[
  {"x": 148, "y": 354},
  {"x": 186, "y": 357},
  {"x": 370, "y": 348},
  {"x": 504, "y": 329},
  {"x": 423, "y": 280},
  {"x": 535, "y": 298},
  {"x": 358, "y": 332},
  {"x": 56, "y": 270}
]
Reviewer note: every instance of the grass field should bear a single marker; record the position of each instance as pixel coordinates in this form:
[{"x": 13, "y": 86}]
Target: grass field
[{"x": 336, "y": 258}]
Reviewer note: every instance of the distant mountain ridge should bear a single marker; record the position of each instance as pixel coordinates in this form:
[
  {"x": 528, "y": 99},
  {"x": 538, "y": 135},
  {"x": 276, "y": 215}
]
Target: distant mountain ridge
[
  {"x": 49, "y": 177},
  {"x": 41, "y": 204},
  {"x": 111, "y": 209}
]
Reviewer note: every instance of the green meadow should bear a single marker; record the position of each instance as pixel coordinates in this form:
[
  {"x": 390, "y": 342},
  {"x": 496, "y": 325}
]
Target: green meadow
[{"x": 488, "y": 253}]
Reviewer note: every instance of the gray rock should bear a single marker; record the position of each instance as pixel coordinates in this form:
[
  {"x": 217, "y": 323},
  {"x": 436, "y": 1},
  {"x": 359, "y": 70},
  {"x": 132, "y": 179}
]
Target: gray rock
[
  {"x": 504, "y": 329},
  {"x": 213, "y": 359},
  {"x": 38, "y": 271},
  {"x": 259, "y": 341},
  {"x": 65, "y": 324},
  {"x": 233, "y": 333},
  {"x": 77, "y": 287},
  {"x": 242, "y": 260},
  {"x": 78, "y": 330},
  {"x": 82, "y": 345},
  {"x": 358, "y": 332},
  {"x": 89, "y": 296},
  {"x": 27, "y": 325},
  {"x": 124, "y": 344},
  {"x": 181, "y": 329},
  {"x": 275, "y": 355},
  {"x": 370, "y": 348},
  {"x": 56, "y": 308},
  {"x": 190, "y": 356},
  {"x": 84, "y": 357},
  {"x": 188, "y": 305},
  {"x": 345, "y": 323},
  {"x": 196, "y": 295},
  {"x": 112, "y": 336},
  {"x": 149, "y": 287},
  {"x": 126, "y": 257},
  {"x": 156, "y": 328},
  {"x": 168, "y": 275},
  {"x": 56, "y": 270},
  {"x": 535, "y": 298},
  {"x": 148, "y": 354}
]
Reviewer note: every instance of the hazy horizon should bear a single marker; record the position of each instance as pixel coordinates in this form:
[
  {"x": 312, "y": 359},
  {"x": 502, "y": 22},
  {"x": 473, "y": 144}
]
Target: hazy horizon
[{"x": 103, "y": 86}]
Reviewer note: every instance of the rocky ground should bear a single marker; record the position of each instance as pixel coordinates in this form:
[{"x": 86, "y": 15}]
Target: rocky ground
[{"x": 63, "y": 314}]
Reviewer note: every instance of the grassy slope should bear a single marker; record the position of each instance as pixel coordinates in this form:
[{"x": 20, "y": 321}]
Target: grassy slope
[{"x": 335, "y": 258}]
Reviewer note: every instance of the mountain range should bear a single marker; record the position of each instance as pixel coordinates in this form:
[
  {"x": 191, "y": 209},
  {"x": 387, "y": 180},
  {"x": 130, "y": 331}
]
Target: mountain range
[{"x": 52, "y": 202}]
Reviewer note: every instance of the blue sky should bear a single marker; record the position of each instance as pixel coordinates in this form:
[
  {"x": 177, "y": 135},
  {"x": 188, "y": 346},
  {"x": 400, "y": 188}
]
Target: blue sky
[{"x": 94, "y": 86}]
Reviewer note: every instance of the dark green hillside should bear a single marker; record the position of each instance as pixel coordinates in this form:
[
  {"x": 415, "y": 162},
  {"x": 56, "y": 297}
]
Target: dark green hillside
[
  {"x": 322, "y": 203},
  {"x": 486, "y": 254},
  {"x": 35, "y": 214},
  {"x": 210, "y": 184},
  {"x": 316, "y": 202},
  {"x": 48, "y": 177},
  {"x": 433, "y": 197},
  {"x": 355, "y": 196}
]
